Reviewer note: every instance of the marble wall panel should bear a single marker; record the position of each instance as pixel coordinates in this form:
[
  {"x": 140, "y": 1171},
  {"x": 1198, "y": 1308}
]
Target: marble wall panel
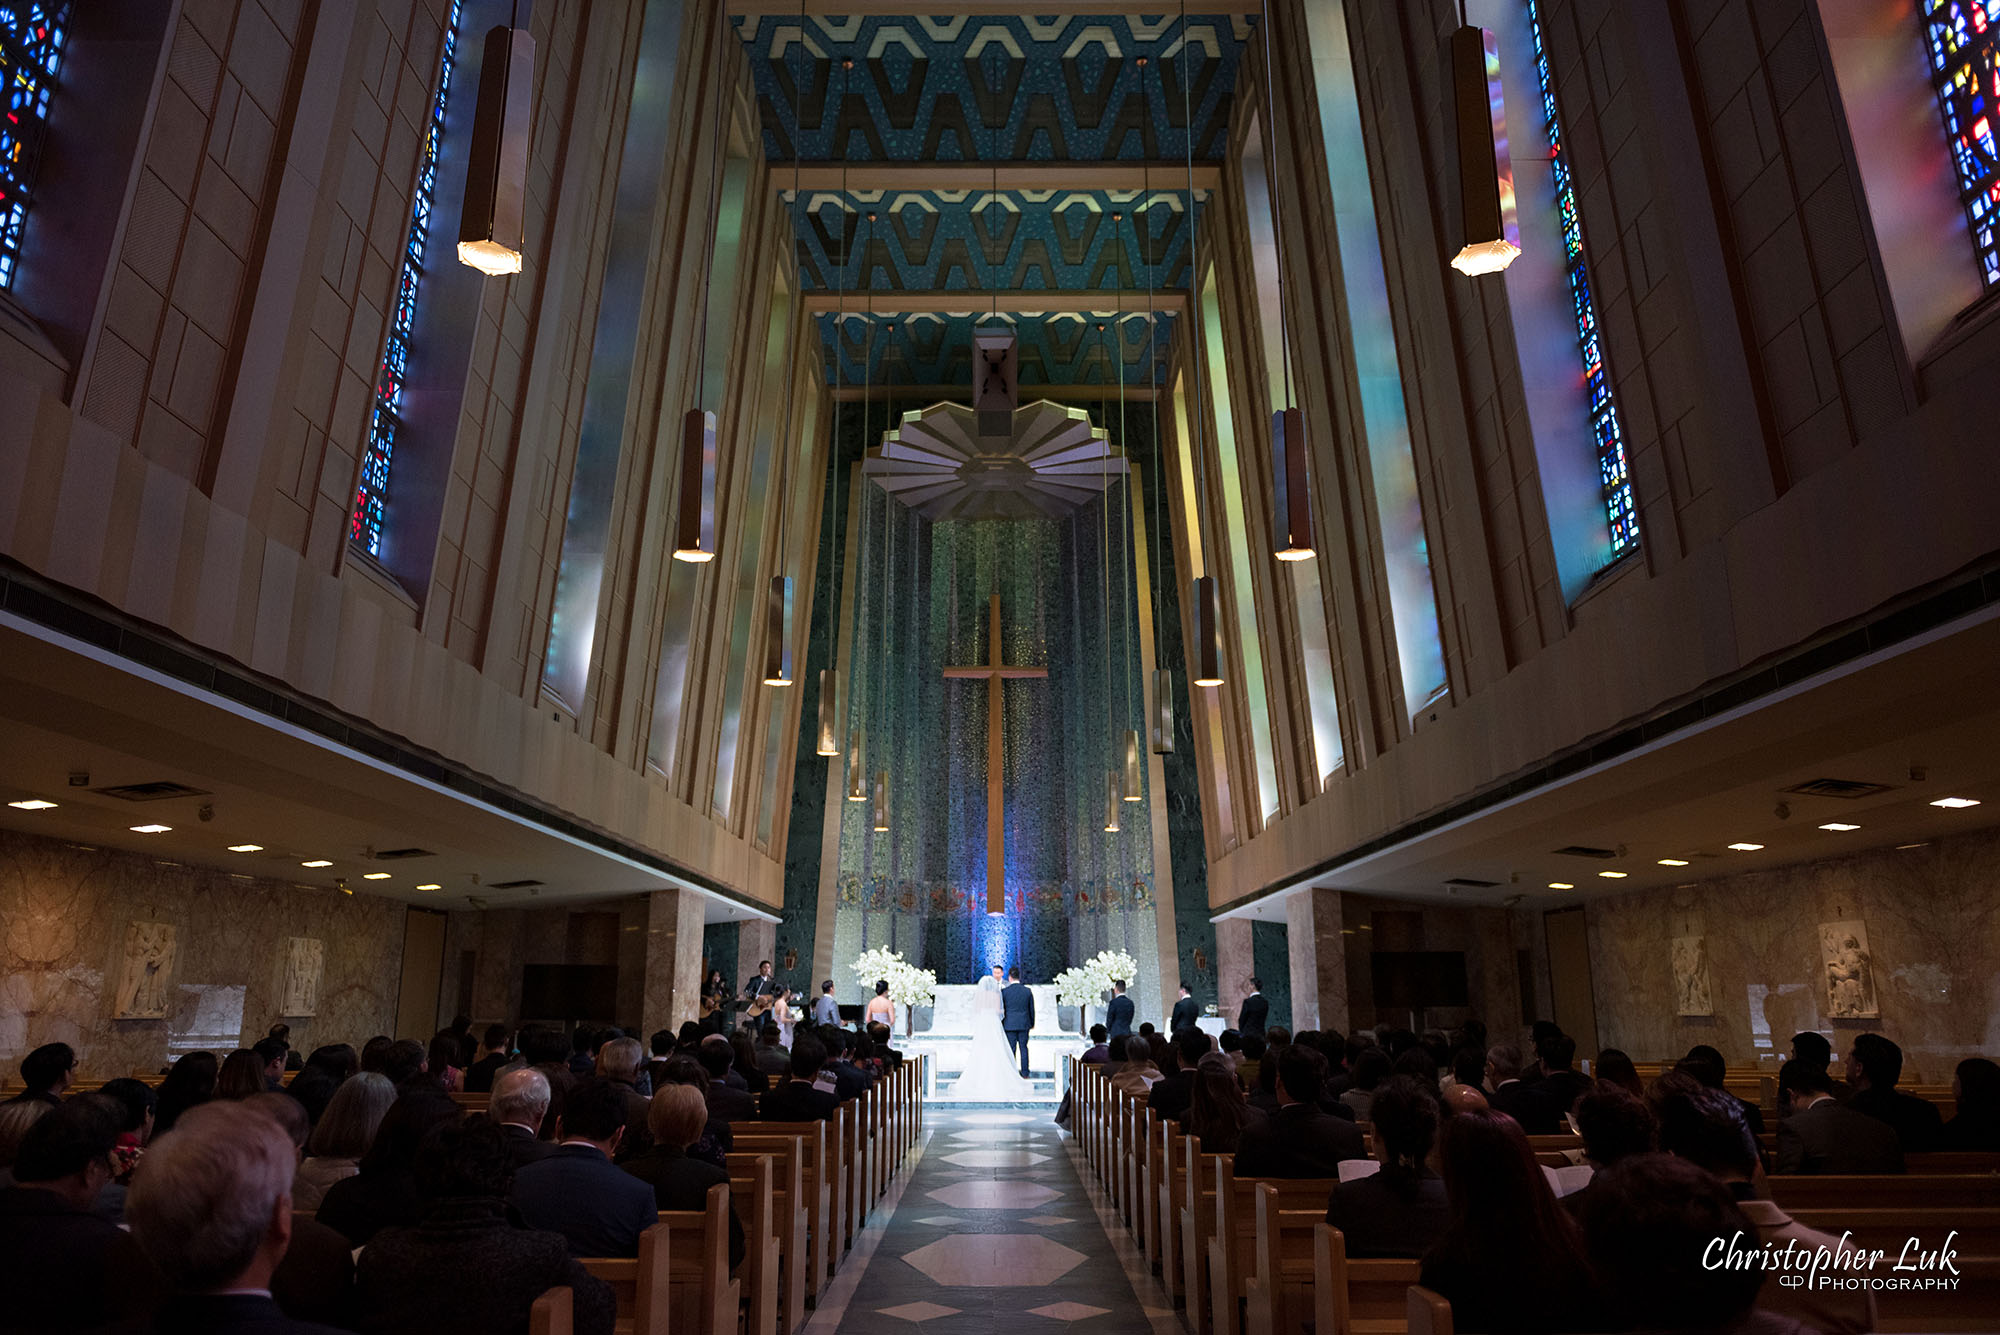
[
  {"x": 65, "y": 911},
  {"x": 1933, "y": 916}
]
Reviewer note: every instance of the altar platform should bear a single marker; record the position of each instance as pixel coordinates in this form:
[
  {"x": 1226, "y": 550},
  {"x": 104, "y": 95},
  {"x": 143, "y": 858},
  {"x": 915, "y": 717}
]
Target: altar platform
[{"x": 944, "y": 1035}]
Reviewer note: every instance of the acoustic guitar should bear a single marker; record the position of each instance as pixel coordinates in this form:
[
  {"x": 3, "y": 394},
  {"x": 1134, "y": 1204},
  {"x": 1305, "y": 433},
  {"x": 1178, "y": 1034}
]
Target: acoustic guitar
[{"x": 756, "y": 1008}]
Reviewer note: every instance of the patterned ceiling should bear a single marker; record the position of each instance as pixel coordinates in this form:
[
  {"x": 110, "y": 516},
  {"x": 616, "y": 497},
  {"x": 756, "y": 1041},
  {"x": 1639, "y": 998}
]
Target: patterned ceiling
[
  {"x": 1056, "y": 348},
  {"x": 994, "y": 89}
]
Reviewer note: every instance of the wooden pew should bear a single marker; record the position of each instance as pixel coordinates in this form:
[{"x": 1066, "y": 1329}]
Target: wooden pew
[
  {"x": 819, "y": 1176},
  {"x": 1146, "y": 1206},
  {"x": 472, "y": 1102},
  {"x": 704, "y": 1297},
  {"x": 1278, "y": 1296},
  {"x": 641, "y": 1285},
  {"x": 1358, "y": 1297},
  {"x": 752, "y": 1194},
  {"x": 1888, "y": 1229},
  {"x": 1170, "y": 1193},
  {"x": 1429, "y": 1313},
  {"x": 1935, "y": 1191},
  {"x": 788, "y": 1229},
  {"x": 1232, "y": 1246},
  {"x": 1200, "y": 1172},
  {"x": 553, "y": 1313}
]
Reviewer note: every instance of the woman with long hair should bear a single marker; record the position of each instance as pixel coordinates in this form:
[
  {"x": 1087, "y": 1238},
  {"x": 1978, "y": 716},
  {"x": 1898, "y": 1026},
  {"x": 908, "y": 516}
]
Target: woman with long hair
[
  {"x": 1505, "y": 1223},
  {"x": 1615, "y": 1068},
  {"x": 1218, "y": 1111},
  {"x": 1399, "y": 1210},
  {"x": 1976, "y": 1086},
  {"x": 444, "y": 1061},
  {"x": 744, "y": 1061},
  {"x": 322, "y": 1074},
  {"x": 382, "y": 1193},
  {"x": 191, "y": 1082},
  {"x": 242, "y": 1075},
  {"x": 345, "y": 1131}
]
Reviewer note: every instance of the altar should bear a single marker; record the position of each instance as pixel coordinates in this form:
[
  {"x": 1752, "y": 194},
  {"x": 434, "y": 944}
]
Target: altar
[
  {"x": 952, "y": 1012},
  {"x": 947, "y": 1040}
]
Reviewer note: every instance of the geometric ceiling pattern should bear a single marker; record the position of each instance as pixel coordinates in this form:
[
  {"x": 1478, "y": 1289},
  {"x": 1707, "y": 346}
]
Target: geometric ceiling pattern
[
  {"x": 1003, "y": 90},
  {"x": 936, "y": 462}
]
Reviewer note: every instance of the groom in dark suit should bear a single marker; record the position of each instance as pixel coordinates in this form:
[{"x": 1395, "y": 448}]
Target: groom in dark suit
[
  {"x": 1118, "y": 1016},
  {"x": 1017, "y": 1016}
]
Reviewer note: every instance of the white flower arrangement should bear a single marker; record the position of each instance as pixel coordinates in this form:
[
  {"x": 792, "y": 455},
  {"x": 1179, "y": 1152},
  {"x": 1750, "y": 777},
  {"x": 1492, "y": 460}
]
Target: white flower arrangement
[
  {"x": 1086, "y": 984},
  {"x": 909, "y": 986}
]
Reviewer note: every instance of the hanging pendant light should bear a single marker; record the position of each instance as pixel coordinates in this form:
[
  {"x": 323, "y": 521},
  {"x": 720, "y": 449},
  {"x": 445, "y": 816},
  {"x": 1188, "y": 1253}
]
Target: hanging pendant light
[
  {"x": 1113, "y": 800},
  {"x": 1485, "y": 174},
  {"x": 778, "y": 631},
  {"x": 1207, "y": 645},
  {"x": 1135, "y": 774},
  {"x": 1294, "y": 507},
  {"x": 694, "y": 534},
  {"x": 491, "y": 226},
  {"x": 1162, "y": 716},
  {"x": 857, "y": 767},
  {"x": 827, "y": 742},
  {"x": 881, "y": 807}
]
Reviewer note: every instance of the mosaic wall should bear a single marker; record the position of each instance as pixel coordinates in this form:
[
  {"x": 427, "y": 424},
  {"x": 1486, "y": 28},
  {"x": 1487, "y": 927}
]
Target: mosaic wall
[{"x": 1271, "y": 958}]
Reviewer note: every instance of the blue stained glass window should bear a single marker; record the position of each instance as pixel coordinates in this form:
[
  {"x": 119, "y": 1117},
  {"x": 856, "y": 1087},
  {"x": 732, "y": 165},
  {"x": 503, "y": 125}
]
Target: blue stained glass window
[
  {"x": 1604, "y": 420},
  {"x": 372, "y": 493},
  {"x": 31, "y": 48},
  {"x": 1963, "y": 38}
]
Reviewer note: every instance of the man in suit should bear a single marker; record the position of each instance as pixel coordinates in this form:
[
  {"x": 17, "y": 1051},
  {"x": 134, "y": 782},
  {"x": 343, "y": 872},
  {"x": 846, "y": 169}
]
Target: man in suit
[
  {"x": 1118, "y": 1015},
  {"x": 1874, "y": 1065},
  {"x": 1250, "y": 1020},
  {"x": 519, "y": 1102},
  {"x": 726, "y": 1102},
  {"x": 1301, "y": 1141},
  {"x": 809, "y": 1094},
  {"x": 1017, "y": 1015},
  {"x": 1561, "y": 1084},
  {"x": 1174, "y": 1091},
  {"x": 211, "y": 1206},
  {"x": 763, "y": 985},
  {"x": 1825, "y": 1136},
  {"x": 1505, "y": 1092},
  {"x": 826, "y": 1010},
  {"x": 577, "y": 1191},
  {"x": 1186, "y": 1014},
  {"x": 1706, "y": 1064}
]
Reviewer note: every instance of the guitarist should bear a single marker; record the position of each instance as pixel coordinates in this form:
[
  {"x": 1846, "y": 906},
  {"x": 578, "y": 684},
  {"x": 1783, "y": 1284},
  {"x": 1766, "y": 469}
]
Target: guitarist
[{"x": 761, "y": 993}]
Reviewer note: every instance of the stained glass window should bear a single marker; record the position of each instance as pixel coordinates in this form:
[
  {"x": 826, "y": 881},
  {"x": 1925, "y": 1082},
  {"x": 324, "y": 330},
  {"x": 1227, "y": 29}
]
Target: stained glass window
[
  {"x": 1964, "y": 41},
  {"x": 1604, "y": 420},
  {"x": 31, "y": 48},
  {"x": 372, "y": 494}
]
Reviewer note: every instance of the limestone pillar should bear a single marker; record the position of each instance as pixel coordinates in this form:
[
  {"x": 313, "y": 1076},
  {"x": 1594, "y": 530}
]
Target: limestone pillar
[
  {"x": 1319, "y": 959},
  {"x": 673, "y": 958},
  {"x": 755, "y": 942},
  {"x": 1233, "y": 967}
]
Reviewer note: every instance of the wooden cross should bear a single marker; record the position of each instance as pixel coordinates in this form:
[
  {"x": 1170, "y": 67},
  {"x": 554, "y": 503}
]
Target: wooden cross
[{"x": 994, "y": 671}]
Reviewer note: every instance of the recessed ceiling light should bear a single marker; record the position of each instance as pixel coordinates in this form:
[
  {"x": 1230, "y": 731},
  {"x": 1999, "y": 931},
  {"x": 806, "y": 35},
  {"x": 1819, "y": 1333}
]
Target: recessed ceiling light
[
  {"x": 1561, "y": 885},
  {"x": 1746, "y": 848},
  {"x": 1612, "y": 875},
  {"x": 1673, "y": 862},
  {"x": 1839, "y": 826},
  {"x": 432, "y": 886},
  {"x": 1956, "y": 802},
  {"x": 246, "y": 848},
  {"x": 317, "y": 862},
  {"x": 151, "y": 829},
  {"x": 375, "y": 876},
  {"x": 31, "y": 804}
]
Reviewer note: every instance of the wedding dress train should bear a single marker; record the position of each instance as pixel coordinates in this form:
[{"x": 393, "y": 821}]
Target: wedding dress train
[{"x": 992, "y": 1069}]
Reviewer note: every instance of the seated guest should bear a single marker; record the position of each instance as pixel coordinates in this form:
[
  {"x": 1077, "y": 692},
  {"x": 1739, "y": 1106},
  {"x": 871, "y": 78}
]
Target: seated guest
[
  {"x": 315, "y": 1281},
  {"x": 344, "y": 1133},
  {"x": 1561, "y": 1083},
  {"x": 1140, "y": 1069},
  {"x": 772, "y": 1058},
  {"x": 1229, "y": 1043},
  {"x": 67, "y": 1267},
  {"x": 1218, "y": 1112},
  {"x": 660, "y": 1046},
  {"x": 1117, "y": 1051},
  {"x": 373, "y": 1051},
  {"x": 241, "y": 1076},
  {"x": 879, "y": 1035},
  {"x": 404, "y": 1061},
  {"x": 1615, "y": 1068},
  {"x": 46, "y": 1073},
  {"x": 675, "y": 1120},
  {"x": 1301, "y": 1140},
  {"x": 276, "y": 1054},
  {"x": 1461, "y": 1098},
  {"x": 15, "y": 1119},
  {"x": 618, "y": 1063},
  {"x": 1370, "y": 1070},
  {"x": 1705, "y": 1064},
  {"x": 584, "y": 1042},
  {"x": 1420, "y": 1064},
  {"x": 1505, "y": 1226},
  {"x": 1649, "y": 1228},
  {"x": 492, "y": 1057},
  {"x": 463, "y": 1266},
  {"x": 754, "y": 1077},
  {"x": 726, "y": 1102},
  {"x": 189, "y": 1083},
  {"x": 577, "y": 1191},
  {"x": 1506, "y": 1092},
  {"x": 716, "y": 1139},
  {"x": 547, "y": 1051},
  {"x": 1811, "y": 1047},
  {"x": 1253, "y": 1046},
  {"x": 383, "y": 1191},
  {"x": 1171, "y": 1094},
  {"x": 1706, "y": 1128},
  {"x": 848, "y": 1081},
  {"x": 136, "y": 1103},
  {"x": 798, "y": 1098},
  {"x": 1468, "y": 1067},
  {"x": 1099, "y": 1050},
  {"x": 1976, "y": 1087},
  {"x": 211, "y": 1206},
  {"x": 1825, "y": 1136},
  {"x": 441, "y": 1061},
  {"x": 322, "y": 1074},
  {"x": 1874, "y": 1065},
  {"x": 1614, "y": 1125},
  {"x": 519, "y": 1103},
  {"x": 1401, "y": 1210}
]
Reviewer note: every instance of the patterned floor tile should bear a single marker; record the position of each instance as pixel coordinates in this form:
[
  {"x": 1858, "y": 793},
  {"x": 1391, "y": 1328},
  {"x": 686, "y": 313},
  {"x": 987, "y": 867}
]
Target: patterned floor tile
[
  {"x": 1068, "y": 1311},
  {"x": 919, "y": 1311},
  {"x": 994, "y": 1260}
]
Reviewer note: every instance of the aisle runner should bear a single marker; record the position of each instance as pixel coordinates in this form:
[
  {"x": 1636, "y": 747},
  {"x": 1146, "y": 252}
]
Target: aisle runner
[{"x": 993, "y": 1224}]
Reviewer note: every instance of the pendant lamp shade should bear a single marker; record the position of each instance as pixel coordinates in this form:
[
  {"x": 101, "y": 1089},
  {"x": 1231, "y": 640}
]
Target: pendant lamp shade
[
  {"x": 1207, "y": 646},
  {"x": 1113, "y": 800},
  {"x": 881, "y": 803},
  {"x": 1485, "y": 175},
  {"x": 827, "y": 742},
  {"x": 1293, "y": 511},
  {"x": 1162, "y": 717},
  {"x": 857, "y": 768},
  {"x": 694, "y": 531},
  {"x": 778, "y": 632},
  {"x": 1135, "y": 771},
  {"x": 496, "y": 177}
]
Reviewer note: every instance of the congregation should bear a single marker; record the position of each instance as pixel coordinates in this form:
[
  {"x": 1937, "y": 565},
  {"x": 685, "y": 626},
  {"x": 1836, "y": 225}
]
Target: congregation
[{"x": 403, "y": 1187}]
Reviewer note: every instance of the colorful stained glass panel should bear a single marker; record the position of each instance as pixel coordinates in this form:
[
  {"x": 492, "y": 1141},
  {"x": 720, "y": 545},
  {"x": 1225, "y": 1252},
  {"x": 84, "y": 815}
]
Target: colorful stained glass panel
[
  {"x": 31, "y": 49},
  {"x": 1962, "y": 38}
]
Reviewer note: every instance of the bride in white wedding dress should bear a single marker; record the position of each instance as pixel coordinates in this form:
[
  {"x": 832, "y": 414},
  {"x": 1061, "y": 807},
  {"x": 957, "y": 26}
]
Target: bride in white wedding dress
[{"x": 992, "y": 1070}]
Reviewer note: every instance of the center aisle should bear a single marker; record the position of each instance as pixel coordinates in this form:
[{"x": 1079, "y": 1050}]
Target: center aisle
[{"x": 993, "y": 1223}]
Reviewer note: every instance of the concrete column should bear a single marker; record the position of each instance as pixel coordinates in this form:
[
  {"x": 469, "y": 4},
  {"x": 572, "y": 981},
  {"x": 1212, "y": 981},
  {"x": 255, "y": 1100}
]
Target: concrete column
[
  {"x": 755, "y": 941},
  {"x": 1313, "y": 925},
  {"x": 1233, "y": 967},
  {"x": 673, "y": 958}
]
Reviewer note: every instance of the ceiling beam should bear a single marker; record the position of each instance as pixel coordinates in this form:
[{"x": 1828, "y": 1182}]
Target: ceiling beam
[
  {"x": 963, "y": 393},
  {"x": 1031, "y": 8},
  {"x": 1170, "y": 301},
  {"x": 1114, "y": 175}
]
